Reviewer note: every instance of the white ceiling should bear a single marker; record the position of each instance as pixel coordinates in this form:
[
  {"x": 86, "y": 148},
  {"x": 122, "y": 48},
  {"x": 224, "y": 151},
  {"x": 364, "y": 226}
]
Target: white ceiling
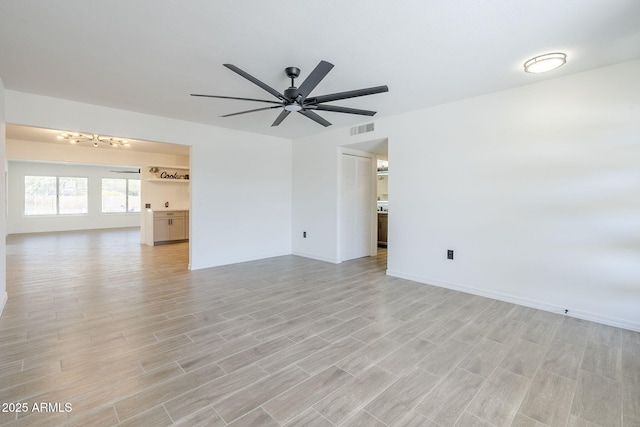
[{"x": 149, "y": 55}]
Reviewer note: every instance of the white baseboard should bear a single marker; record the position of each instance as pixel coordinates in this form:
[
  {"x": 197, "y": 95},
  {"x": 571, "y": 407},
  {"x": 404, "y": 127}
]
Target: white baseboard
[
  {"x": 541, "y": 305},
  {"x": 229, "y": 261},
  {"x": 311, "y": 256},
  {"x": 3, "y": 301}
]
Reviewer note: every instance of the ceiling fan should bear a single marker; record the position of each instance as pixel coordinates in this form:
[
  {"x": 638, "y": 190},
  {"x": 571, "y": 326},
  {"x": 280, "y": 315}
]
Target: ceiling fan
[{"x": 297, "y": 98}]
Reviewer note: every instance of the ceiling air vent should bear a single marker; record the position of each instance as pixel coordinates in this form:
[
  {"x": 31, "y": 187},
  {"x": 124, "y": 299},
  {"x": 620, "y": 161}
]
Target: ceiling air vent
[{"x": 357, "y": 130}]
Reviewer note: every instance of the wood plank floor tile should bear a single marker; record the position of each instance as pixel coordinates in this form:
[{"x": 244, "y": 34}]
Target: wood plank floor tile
[
  {"x": 598, "y": 400},
  {"x": 287, "y": 405},
  {"x": 154, "y": 417},
  {"x": 549, "y": 398},
  {"x": 523, "y": 358},
  {"x": 506, "y": 331},
  {"x": 603, "y": 359},
  {"x": 208, "y": 417},
  {"x": 484, "y": 357},
  {"x": 524, "y": 421},
  {"x": 579, "y": 422},
  {"x": 257, "y": 417},
  {"x": 363, "y": 418},
  {"x": 407, "y": 356},
  {"x": 309, "y": 418},
  {"x": 563, "y": 359},
  {"x": 329, "y": 355},
  {"x": 377, "y": 330},
  {"x": 415, "y": 419},
  {"x": 365, "y": 357},
  {"x": 402, "y": 396},
  {"x": 254, "y": 354},
  {"x": 315, "y": 328},
  {"x": 572, "y": 332},
  {"x": 448, "y": 400},
  {"x": 145, "y": 399},
  {"x": 445, "y": 357},
  {"x": 469, "y": 420},
  {"x": 345, "y": 329},
  {"x": 206, "y": 357},
  {"x": 292, "y": 354},
  {"x": 246, "y": 400},
  {"x": 105, "y": 416},
  {"x": 355, "y": 394},
  {"x": 438, "y": 332},
  {"x": 500, "y": 397},
  {"x": 212, "y": 392},
  {"x": 631, "y": 398},
  {"x": 288, "y": 341}
]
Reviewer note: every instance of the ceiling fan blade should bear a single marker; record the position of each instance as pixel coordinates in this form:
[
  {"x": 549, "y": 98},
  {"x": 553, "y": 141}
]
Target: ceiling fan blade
[
  {"x": 316, "y": 76},
  {"x": 316, "y": 118},
  {"x": 283, "y": 115},
  {"x": 347, "y": 94},
  {"x": 255, "y": 81},
  {"x": 337, "y": 109},
  {"x": 234, "y": 97},
  {"x": 251, "y": 111}
]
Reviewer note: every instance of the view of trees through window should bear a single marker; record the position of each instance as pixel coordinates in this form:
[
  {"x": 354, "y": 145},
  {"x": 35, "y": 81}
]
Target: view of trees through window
[
  {"x": 53, "y": 195},
  {"x": 120, "y": 195},
  {"x": 64, "y": 195}
]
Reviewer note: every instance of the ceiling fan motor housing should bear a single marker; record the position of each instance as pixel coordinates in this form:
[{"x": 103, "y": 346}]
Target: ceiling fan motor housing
[{"x": 291, "y": 93}]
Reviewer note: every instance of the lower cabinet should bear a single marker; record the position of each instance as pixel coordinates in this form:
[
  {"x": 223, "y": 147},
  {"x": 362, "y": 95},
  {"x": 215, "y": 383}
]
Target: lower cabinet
[
  {"x": 170, "y": 227},
  {"x": 383, "y": 227}
]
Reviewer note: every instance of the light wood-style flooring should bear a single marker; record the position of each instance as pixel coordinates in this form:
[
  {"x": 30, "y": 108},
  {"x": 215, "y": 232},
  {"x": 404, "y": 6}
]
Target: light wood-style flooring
[{"x": 126, "y": 335}]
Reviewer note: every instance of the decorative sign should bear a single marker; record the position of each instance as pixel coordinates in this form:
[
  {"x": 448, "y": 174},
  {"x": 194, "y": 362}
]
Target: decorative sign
[{"x": 165, "y": 175}]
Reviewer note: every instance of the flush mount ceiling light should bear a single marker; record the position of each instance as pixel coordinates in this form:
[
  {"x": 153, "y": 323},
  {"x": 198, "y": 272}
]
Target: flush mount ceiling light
[
  {"x": 544, "y": 63},
  {"x": 77, "y": 138}
]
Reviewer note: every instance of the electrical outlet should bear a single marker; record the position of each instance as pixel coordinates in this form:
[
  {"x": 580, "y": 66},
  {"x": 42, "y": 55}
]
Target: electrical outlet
[
  {"x": 304, "y": 234},
  {"x": 449, "y": 253}
]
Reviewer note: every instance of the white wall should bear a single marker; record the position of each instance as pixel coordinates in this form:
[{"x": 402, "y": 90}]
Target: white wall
[
  {"x": 537, "y": 189},
  {"x": 244, "y": 203},
  {"x": 17, "y": 222},
  {"x": 240, "y": 182},
  {"x": 315, "y": 196},
  {"x": 3, "y": 216}
]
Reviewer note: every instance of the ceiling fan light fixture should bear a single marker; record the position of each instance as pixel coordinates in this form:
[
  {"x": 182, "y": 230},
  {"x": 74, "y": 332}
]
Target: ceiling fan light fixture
[
  {"x": 293, "y": 107},
  {"x": 544, "y": 63}
]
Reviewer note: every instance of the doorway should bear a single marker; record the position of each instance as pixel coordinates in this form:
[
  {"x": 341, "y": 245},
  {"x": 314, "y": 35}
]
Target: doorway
[{"x": 358, "y": 228}]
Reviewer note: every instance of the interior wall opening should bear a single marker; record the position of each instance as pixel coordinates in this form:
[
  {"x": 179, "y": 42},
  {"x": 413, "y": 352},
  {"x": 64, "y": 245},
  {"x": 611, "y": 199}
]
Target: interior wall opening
[
  {"x": 378, "y": 199},
  {"x": 33, "y": 152}
]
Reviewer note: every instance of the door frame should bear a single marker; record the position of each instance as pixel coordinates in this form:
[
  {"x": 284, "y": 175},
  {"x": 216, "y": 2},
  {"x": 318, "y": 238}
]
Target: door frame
[{"x": 373, "y": 244}]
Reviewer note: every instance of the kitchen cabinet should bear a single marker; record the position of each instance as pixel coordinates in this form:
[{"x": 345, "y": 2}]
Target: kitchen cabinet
[
  {"x": 170, "y": 227},
  {"x": 383, "y": 226}
]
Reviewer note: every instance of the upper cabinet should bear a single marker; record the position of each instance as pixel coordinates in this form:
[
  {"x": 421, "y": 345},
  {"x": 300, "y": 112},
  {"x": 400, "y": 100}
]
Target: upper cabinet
[{"x": 159, "y": 173}]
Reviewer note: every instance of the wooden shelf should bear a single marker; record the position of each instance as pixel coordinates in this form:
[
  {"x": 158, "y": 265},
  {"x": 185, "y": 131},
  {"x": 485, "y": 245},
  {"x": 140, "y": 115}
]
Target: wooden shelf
[
  {"x": 169, "y": 167},
  {"x": 167, "y": 180}
]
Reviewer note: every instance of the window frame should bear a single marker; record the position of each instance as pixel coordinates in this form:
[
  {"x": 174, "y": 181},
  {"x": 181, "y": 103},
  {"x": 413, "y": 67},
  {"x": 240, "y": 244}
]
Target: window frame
[
  {"x": 57, "y": 197},
  {"x": 126, "y": 194}
]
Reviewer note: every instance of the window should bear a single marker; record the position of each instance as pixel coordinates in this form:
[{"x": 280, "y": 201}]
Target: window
[
  {"x": 120, "y": 195},
  {"x": 55, "y": 195}
]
